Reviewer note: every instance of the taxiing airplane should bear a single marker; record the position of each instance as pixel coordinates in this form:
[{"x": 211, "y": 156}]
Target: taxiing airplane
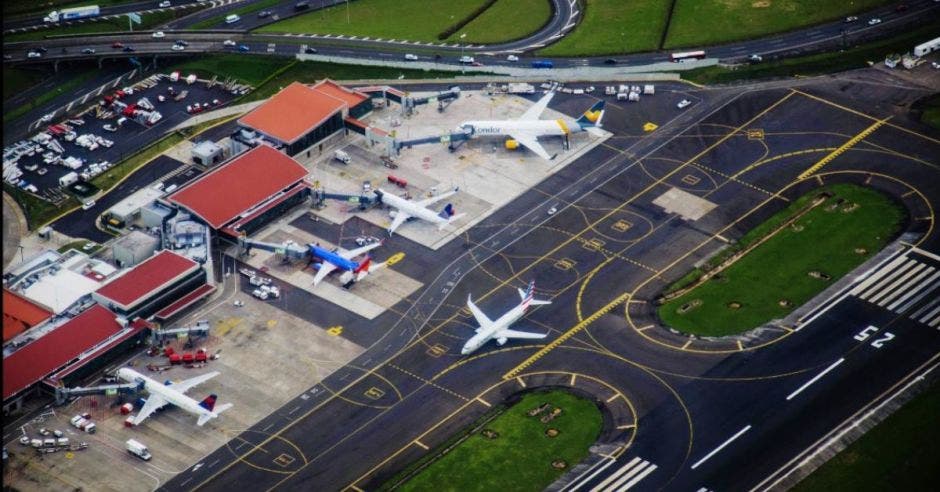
[
  {"x": 499, "y": 330},
  {"x": 408, "y": 209},
  {"x": 527, "y": 128},
  {"x": 325, "y": 261},
  {"x": 174, "y": 393}
]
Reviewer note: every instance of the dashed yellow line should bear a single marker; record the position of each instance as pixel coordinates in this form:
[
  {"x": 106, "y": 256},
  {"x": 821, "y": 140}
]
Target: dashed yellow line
[
  {"x": 842, "y": 148},
  {"x": 740, "y": 182},
  {"x": 423, "y": 380},
  {"x": 566, "y": 335}
]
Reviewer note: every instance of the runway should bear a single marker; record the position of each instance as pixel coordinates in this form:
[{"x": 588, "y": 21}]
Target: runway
[{"x": 681, "y": 413}]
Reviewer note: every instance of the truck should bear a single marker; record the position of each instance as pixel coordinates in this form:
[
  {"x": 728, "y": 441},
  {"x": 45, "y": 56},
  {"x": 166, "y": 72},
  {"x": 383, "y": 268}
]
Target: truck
[
  {"x": 68, "y": 179},
  {"x": 84, "y": 424},
  {"x": 341, "y": 156},
  {"x": 138, "y": 449},
  {"x": 72, "y": 14},
  {"x": 520, "y": 88}
]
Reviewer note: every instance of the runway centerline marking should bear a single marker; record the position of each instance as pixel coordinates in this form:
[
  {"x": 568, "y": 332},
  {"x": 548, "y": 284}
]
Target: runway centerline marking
[
  {"x": 722, "y": 446},
  {"x": 816, "y": 378}
]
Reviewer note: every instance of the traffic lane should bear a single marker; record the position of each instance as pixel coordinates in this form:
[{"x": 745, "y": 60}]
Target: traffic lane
[{"x": 106, "y": 10}]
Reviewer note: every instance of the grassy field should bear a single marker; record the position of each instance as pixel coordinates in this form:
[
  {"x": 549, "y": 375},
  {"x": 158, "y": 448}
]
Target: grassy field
[
  {"x": 930, "y": 115},
  {"x": 241, "y": 11},
  {"x": 37, "y": 211},
  {"x": 824, "y": 240},
  {"x": 249, "y": 69},
  {"x": 148, "y": 21},
  {"x": 733, "y": 20},
  {"x": 611, "y": 27},
  {"x": 80, "y": 78},
  {"x": 387, "y": 19},
  {"x": 830, "y": 62},
  {"x": 520, "y": 458},
  {"x": 17, "y": 80},
  {"x": 506, "y": 20},
  {"x": 901, "y": 453}
]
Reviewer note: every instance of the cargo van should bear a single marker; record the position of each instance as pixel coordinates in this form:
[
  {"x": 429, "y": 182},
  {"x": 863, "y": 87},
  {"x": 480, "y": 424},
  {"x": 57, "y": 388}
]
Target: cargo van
[
  {"x": 231, "y": 19},
  {"x": 137, "y": 449},
  {"x": 342, "y": 156}
]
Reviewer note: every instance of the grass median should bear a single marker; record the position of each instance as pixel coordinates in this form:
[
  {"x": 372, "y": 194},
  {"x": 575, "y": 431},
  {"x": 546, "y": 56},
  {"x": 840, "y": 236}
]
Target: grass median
[
  {"x": 506, "y": 20},
  {"x": 514, "y": 451},
  {"x": 241, "y": 11},
  {"x": 610, "y": 27},
  {"x": 789, "y": 263}
]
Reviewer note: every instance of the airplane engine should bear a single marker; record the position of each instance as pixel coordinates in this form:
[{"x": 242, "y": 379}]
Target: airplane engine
[
  {"x": 512, "y": 144},
  {"x": 502, "y": 341}
]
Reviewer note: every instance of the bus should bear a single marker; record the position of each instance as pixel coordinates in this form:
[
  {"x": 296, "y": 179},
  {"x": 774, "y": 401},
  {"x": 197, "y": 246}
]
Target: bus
[{"x": 689, "y": 55}]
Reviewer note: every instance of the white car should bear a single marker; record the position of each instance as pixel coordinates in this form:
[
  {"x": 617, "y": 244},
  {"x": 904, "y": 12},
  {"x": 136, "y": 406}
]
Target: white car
[
  {"x": 683, "y": 103},
  {"x": 159, "y": 34},
  {"x": 874, "y": 21},
  {"x": 34, "y": 54},
  {"x": 935, "y": 65},
  {"x": 466, "y": 59},
  {"x": 411, "y": 57},
  {"x": 177, "y": 47},
  {"x": 512, "y": 58},
  {"x": 164, "y": 4},
  {"x": 46, "y": 118},
  {"x": 228, "y": 42}
]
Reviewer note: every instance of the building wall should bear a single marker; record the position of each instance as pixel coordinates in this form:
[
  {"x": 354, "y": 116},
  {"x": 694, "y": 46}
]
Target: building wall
[
  {"x": 161, "y": 299},
  {"x": 327, "y": 128}
]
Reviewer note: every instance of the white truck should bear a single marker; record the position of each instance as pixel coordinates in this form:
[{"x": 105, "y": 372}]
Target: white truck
[
  {"x": 68, "y": 179},
  {"x": 341, "y": 156},
  {"x": 72, "y": 13},
  {"x": 138, "y": 449},
  {"x": 84, "y": 424}
]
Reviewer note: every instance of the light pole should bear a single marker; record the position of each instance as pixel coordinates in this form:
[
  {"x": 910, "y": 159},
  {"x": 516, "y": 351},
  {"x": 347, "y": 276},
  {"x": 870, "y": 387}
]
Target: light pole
[
  {"x": 347, "y": 11},
  {"x": 463, "y": 66}
]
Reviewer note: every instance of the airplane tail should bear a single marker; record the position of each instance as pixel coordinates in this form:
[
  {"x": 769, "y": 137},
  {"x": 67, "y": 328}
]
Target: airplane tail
[
  {"x": 208, "y": 403},
  {"x": 447, "y": 212},
  {"x": 367, "y": 267},
  {"x": 592, "y": 117},
  {"x": 212, "y": 414},
  {"x": 528, "y": 296}
]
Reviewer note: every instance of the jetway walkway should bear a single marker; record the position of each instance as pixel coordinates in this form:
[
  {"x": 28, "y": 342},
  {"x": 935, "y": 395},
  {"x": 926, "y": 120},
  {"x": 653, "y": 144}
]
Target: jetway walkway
[{"x": 63, "y": 395}]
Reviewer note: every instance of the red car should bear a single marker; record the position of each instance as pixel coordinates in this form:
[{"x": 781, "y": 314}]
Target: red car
[{"x": 117, "y": 45}]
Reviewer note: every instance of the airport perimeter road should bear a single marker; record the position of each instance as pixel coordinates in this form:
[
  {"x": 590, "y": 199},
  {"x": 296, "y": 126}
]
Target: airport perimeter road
[{"x": 687, "y": 413}]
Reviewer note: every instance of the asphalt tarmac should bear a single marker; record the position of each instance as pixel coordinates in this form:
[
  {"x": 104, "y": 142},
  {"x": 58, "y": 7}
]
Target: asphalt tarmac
[{"x": 683, "y": 413}]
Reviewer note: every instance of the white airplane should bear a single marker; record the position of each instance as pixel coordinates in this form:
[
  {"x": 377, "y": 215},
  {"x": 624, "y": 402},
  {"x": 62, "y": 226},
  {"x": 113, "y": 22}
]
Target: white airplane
[
  {"x": 407, "y": 209},
  {"x": 499, "y": 329},
  {"x": 162, "y": 394},
  {"x": 527, "y": 128}
]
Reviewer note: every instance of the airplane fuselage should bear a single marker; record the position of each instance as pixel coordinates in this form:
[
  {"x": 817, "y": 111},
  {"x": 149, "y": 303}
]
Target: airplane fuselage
[
  {"x": 559, "y": 127},
  {"x": 487, "y": 333},
  {"x": 324, "y": 254},
  {"x": 411, "y": 208},
  {"x": 169, "y": 394}
]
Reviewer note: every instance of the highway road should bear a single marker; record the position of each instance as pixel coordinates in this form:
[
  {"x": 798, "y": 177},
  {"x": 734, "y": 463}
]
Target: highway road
[{"x": 685, "y": 413}]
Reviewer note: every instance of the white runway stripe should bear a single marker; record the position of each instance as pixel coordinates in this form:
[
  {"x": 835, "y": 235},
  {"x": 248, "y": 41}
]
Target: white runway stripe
[
  {"x": 877, "y": 275},
  {"x": 926, "y": 307},
  {"x": 910, "y": 286},
  {"x": 908, "y": 263},
  {"x": 926, "y": 318},
  {"x": 627, "y": 471},
  {"x": 650, "y": 469},
  {"x": 914, "y": 291},
  {"x": 920, "y": 297},
  {"x": 897, "y": 283}
]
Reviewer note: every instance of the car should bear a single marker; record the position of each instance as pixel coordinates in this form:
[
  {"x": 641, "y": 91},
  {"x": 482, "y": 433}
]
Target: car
[
  {"x": 935, "y": 65},
  {"x": 24, "y": 440},
  {"x": 58, "y": 433},
  {"x": 161, "y": 98},
  {"x": 874, "y": 21},
  {"x": 512, "y": 58},
  {"x": 88, "y": 246},
  {"x": 42, "y": 171},
  {"x": 683, "y": 103},
  {"x": 127, "y": 49},
  {"x": 34, "y": 54},
  {"x": 850, "y": 19},
  {"x": 264, "y": 13},
  {"x": 88, "y": 206},
  {"x": 236, "y": 304},
  {"x": 88, "y": 51},
  {"x": 411, "y": 57},
  {"x": 164, "y": 4},
  {"x": 109, "y": 127},
  {"x": 243, "y": 47},
  {"x": 228, "y": 42},
  {"x": 46, "y": 118},
  {"x": 216, "y": 102},
  {"x": 755, "y": 58},
  {"x": 552, "y": 211},
  {"x": 310, "y": 50},
  {"x": 158, "y": 34},
  {"x": 117, "y": 45},
  {"x": 181, "y": 42},
  {"x": 466, "y": 59},
  {"x": 177, "y": 47},
  {"x": 610, "y": 61}
]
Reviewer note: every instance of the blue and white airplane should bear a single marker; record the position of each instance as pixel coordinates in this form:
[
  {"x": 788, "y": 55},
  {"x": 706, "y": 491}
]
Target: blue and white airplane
[
  {"x": 499, "y": 329},
  {"x": 324, "y": 260}
]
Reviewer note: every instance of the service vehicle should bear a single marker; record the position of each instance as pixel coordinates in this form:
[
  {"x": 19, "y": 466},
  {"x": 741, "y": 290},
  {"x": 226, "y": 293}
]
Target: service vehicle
[
  {"x": 231, "y": 19},
  {"x": 512, "y": 58},
  {"x": 158, "y": 34},
  {"x": 411, "y": 57},
  {"x": 72, "y": 13},
  {"x": 138, "y": 449},
  {"x": 683, "y": 103}
]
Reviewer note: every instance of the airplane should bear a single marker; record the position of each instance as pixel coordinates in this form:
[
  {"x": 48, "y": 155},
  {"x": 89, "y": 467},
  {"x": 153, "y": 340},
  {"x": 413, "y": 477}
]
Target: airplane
[
  {"x": 324, "y": 260},
  {"x": 499, "y": 330},
  {"x": 162, "y": 394},
  {"x": 527, "y": 128},
  {"x": 407, "y": 209}
]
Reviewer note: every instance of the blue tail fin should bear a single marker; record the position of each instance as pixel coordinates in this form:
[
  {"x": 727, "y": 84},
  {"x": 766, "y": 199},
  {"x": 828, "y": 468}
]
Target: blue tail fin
[
  {"x": 448, "y": 211},
  {"x": 592, "y": 117},
  {"x": 208, "y": 403}
]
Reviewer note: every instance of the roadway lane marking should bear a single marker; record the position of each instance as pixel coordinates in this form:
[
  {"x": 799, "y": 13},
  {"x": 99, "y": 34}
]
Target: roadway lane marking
[
  {"x": 719, "y": 448},
  {"x": 816, "y": 378}
]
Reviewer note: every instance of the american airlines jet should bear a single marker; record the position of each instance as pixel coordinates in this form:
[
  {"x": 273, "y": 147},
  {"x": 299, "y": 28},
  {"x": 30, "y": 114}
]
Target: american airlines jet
[
  {"x": 407, "y": 209},
  {"x": 499, "y": 330},
  {"x": 162, "y": 394},
  {"x": 526, "y": 130}
]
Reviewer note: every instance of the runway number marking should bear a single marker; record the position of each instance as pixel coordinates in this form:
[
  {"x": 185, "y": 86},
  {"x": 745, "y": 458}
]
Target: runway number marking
[
  {"x": 395, "y": 258},
  {"x": 878, "y": 342},
  {"x": 374, "y": 393},
  {"x": 335, "y": 330}
]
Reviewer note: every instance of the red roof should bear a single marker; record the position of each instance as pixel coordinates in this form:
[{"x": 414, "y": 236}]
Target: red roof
[
  {"x": 232, "y": 189},
  {"x": 136, "y": 326},
  {"x": 185, "y": 301},
  {"x": 20, "y": 314},
  {"x": 57, "y": 348},
  {"x": 330, "y": 88},
  {"x": 292, "y": 113},
  {"x": 233, "y": 228},
  {"x": 154, "y": 274}
]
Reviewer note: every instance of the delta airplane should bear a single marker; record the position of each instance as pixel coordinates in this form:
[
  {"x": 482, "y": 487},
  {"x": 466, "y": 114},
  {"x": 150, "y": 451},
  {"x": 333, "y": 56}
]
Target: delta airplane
[
  {"x": 324, "y": 260},
  {"x": 162, "y": 394},
  {"x": 408, "y": 209},
  {"x": 499, "y": 330},
  {"x": 527, "y": 128}
]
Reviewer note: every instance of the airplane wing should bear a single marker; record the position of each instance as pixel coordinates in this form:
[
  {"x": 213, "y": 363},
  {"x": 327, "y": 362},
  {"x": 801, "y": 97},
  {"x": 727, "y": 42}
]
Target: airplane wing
[
  {"x": 531, "y": 143},
  {"x": 434, "y": 199},
  {"x": 399, "y": 219},
  {"x": 519, "y": 334},
  {"x": 352, "y": 253},
  {"x": 480, "y": 316},
  {"x": 188, "y": 384},
  {"x": 538, "y": 108},
  {"x": 154, "y": 403},
  {"x": 325, "y": 269}
]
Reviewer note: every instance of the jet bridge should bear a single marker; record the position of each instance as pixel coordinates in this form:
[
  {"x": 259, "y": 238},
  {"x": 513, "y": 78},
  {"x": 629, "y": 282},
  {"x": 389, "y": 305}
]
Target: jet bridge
[{"x": 63, "y": 394}]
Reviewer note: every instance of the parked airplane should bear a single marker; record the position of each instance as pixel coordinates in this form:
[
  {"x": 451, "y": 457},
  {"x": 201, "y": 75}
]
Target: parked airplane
[
  {"x": 407, "y": 209},
  {"x": 499, "y": 330},
  {"x": 324, "y": 260},
  {"x": 162, "y": 394},
  {"x": 527, "y": 128}
]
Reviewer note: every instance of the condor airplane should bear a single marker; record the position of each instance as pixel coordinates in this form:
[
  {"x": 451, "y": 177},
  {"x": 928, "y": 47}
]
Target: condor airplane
[
  {"x": 407, "y": 209},
  {"x": 162, "y": 394},
  {"x": 499, "y": 330},
  {"x": 526, "y": 130}
]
